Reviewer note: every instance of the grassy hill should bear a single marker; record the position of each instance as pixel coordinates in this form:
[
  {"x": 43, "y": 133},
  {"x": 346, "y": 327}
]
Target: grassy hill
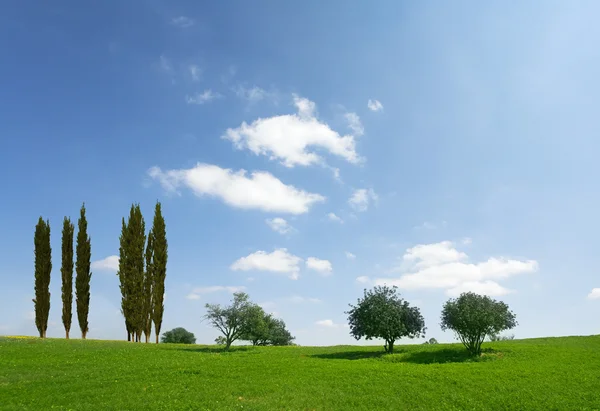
[{"x": 535, "y": 374}]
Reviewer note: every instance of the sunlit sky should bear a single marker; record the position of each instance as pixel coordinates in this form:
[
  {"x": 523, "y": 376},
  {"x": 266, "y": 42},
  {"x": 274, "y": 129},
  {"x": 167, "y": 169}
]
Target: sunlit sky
[{"x": 304, "y": 151}]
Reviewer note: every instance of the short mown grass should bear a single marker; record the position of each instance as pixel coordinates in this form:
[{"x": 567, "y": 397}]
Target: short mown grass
[{"x": 535, "y": 374}]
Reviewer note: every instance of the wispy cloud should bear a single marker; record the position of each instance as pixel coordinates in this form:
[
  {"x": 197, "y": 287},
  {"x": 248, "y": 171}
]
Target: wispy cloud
[
  {"x": 374, "y": 105},
  {"x": 198, "y": 291},
  {"x": 333, "y": 217},
  {"x": 195, "y": 72},
  {"x": 110, "y": 263},
  {"x": 202, "y": 98},
  {"x": 182, "y": 22}
]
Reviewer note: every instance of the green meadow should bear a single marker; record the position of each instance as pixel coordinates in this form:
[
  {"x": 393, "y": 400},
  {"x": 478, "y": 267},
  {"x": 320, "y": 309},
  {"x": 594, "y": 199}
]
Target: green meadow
[{"x": 534, "y": 374}]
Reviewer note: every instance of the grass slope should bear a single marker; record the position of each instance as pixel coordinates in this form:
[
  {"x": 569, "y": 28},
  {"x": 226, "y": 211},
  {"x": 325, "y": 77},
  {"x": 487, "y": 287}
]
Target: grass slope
[{"x": 536, "y": 374}]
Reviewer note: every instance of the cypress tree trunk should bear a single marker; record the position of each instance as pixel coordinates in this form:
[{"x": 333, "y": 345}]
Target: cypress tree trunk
[
  {"x": 67, "y": 274},
  {"x": 43, "y": 268},
  {"x": 84, "y": 275},
  {"x": 159, "y": 268}
]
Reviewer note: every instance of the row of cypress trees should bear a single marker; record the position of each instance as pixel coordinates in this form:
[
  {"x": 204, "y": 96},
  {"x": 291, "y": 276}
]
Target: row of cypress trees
[
  {"x": 142, "y": 273},
  {"x": 43, "y": 269}
]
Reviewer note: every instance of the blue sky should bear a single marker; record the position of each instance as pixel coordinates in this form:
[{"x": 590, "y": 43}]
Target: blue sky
[{"x": 305, "y": 151}]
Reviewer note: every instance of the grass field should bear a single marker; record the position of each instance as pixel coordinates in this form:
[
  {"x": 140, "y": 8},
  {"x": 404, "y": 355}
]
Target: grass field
[{"x": 536, "y": 374}]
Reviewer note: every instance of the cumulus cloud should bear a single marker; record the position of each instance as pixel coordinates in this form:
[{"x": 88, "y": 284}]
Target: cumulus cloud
[
  {"x": 334, "y": 218},
  {"x": 355, "y": 124},
  {"x": 110, "y": 263},
  {"x": 279, "y": 225},
  {"x": 260, "y": 191},
  {"x": 595, "y": 294},
  {"x": 278, "y": 261},
  {"x": 441, "y": 265},
  {"x": 289, "y": 138},
  {"x": 202, "y": 98},
  {"x": 374, "y": 105},
  {"x": 322, "y": 266},
  {"x": 350, "y": 256},
  {"x": 330, "y": 324},
  {"x": 198, "y": 291},
  {"x": 182, "y": 22},
  {"x": 361, "y": 198}
]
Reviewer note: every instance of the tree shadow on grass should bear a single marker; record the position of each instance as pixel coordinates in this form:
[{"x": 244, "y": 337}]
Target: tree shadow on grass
[
  {"x": 215, "y": 350},
  {"x": 350, "y": 355}
]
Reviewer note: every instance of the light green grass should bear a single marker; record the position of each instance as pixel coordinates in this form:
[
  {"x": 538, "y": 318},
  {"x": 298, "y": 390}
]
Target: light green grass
[{"x": 536, "y": 374}]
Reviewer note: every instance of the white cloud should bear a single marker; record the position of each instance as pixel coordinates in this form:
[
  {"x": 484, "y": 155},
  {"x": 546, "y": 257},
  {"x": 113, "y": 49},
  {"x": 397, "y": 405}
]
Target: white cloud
[
  {"x": 363, "y": 279},
  {"x": 279, "y": 261},
  {"x": 330, "y": 324},
  {"x": 322, "y": 266},
  {"x": 110, "y": 263},
  {"x": 182, "y": 22},
  {"x": 361, "y": 199},
  {"x": 467, "y": 241},
  {"x": 296, "y": 299},
  {"x": 251, "y": 94},
  {"x": 374, "y": 105},
  {"x": 441, "y": 265},
  {"x": 287, "y": 138},
  {"x": 201, "y": 98},
  {"x": 279, "y": 225},
  {"x": 196, "y": 292},
  {"x": 335, "y": 218},
  {"x": 355, "y": 124},
  {"x": 195, "y": 72},
  {"x": 260, "y": 191},
  {"x": 165, "y": 64},
  {"x": 595, "y": 294},
  {"x": 427, "y": 225},
  {"x": 350, "y": 256}
]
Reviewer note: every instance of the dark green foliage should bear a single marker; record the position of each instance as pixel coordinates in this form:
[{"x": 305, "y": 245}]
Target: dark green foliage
[
  {"x": 431, "y": 341},
  {"x": 159, "y": 267},
  {"x": 235, "y": 320},
  {"x": 382, "y": 313},
  {"x": 43, "y": 268},
  {"x": 473, "y": 317},
  {"x": 147, "y": 293},
  {"x": 84, "y": 275},
  {"x": 66, "y": 271},
  {"x": 178, "y": 336},
  {"x": 131, "y": 272},
  {"x": 264, "y": 329}
]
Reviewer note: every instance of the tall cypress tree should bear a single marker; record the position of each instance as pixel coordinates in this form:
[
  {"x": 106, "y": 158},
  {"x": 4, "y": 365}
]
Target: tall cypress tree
[
  {"x": 148, "y": 278},
  {"x": 84, "y": 275},
  {"x": 123, "y": 274},
  {"x": 131, "y": 272},
  {"x": 43, "y": 268},
  {"x": 159, "y": 267},
  {"x": 67, "y": 273},
  {"x": 138, "y": 245}
]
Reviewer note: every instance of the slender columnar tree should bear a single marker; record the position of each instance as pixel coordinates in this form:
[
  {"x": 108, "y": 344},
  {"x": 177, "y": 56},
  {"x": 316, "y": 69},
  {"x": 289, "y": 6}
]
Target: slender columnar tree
[
  {"x": 159, "y": 268},
  {"x": 43, "y": 267},
  {"x": 148, "y": 277},
  {"x": 131, "y": 272},
  {"x": 84, "y": 275},
  {"x": 67, "y": 273}
]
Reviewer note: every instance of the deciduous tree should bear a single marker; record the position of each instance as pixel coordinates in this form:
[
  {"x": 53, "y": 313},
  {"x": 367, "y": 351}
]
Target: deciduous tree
[
  {"x": 84, "y": 275},
  {"x": 178, "y": 335},
  {"x": 66, "y": 271},
  {"x": 473, "y": 317},
  {"x": 43, "y": 268},
  {"x": 234, "y": 320},
  {"x": 382, "y": 313}
]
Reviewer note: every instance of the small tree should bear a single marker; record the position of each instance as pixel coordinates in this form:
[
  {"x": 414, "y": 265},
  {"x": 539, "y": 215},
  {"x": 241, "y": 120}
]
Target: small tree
[
  {"x": 431, "y": 341},
  {"x": 267, "y": 331},
  {"x": 235, "y": 320},
  {"x": 473, "y": 317},
  {"x": 84, "y": 275},
  {"x": 382, "y": 313},
  {"x": 498, "y": 337},
  {"x": 178, "y": 335}
]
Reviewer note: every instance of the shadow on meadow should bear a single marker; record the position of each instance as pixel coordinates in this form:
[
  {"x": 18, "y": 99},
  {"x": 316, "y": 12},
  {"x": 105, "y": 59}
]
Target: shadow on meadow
[
  {"x": 438, "y": 356},
  {"x": 214, "y": 350}
]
